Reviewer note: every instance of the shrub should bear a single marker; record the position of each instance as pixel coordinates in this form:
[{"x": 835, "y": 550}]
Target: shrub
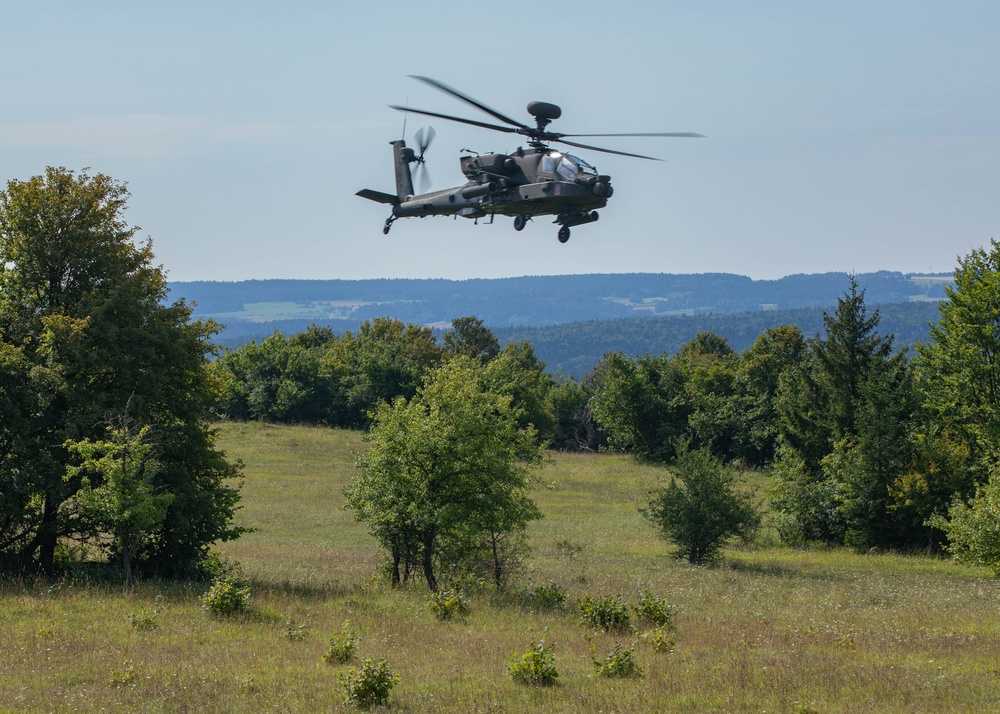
[
  {"x": 536, "y": 667},
  {"x": 342, "y": 645},
  {"x": 699, "y": 510},
  {"x": 368, "y": 686},
  {"x": 448, "y": 604},
  {"x": 654, "y": 610},
  {"x": 294, "y": 631},
  {"x": 144, "y": 619},
  {"x": 542, "y": 597},
  {"x": 608, "y": 613},
  {"x": 973, "y": 529},
  {"x": 226, "y": 598},
  {"x": 618, "y": 663},
  {"x": 661, "y": 639}
]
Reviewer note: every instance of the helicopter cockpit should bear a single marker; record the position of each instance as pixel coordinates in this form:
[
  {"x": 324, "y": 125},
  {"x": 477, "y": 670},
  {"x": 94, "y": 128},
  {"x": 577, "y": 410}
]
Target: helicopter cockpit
[{"x": 566, "y": 166}]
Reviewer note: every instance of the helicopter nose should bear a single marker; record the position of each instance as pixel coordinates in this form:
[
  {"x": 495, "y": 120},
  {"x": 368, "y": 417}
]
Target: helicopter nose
[{"x": 602, "y": 187}]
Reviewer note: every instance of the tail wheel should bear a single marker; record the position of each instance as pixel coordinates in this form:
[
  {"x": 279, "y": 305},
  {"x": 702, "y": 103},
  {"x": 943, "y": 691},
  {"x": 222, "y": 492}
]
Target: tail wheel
[{"x": 564, "y": 234}]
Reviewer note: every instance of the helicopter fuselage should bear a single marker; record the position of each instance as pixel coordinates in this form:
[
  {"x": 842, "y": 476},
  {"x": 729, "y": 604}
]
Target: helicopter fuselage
[{"x": 529, "y": 182}]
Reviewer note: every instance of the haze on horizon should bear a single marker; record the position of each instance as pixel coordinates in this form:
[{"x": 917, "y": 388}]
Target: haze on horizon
[{"x": 851, "y": 137}]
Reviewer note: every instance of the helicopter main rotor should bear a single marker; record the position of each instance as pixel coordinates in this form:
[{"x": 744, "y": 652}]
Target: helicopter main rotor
[{"x": 543, "y": 112}]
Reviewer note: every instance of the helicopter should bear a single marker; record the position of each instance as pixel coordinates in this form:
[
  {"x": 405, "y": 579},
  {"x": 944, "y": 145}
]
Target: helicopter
[{"x": 531, "y": 181}]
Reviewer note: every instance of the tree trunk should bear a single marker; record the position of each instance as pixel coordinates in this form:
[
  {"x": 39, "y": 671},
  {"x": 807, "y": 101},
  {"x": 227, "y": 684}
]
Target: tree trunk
[
  {"x": 428, "y": 561},
  {"x": 47, "y": 537},
  {"x": 395, "y": 566}
]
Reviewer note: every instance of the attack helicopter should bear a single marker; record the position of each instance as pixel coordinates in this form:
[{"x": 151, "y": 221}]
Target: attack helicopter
[{"x": 531, "y": 181}]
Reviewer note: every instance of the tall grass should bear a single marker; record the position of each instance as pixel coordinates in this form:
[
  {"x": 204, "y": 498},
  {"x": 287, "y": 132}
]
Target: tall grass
[{"x": 768, "y": 629}]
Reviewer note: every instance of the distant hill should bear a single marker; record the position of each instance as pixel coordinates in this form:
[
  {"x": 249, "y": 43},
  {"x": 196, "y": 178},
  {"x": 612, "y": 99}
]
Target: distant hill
[
  {"x": 532, "y": 301},
  {"x": 571, "y": 319}
]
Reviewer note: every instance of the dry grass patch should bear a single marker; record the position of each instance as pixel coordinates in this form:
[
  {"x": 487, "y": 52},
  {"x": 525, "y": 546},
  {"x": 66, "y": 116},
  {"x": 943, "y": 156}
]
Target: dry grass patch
[{"x": 768, "y": 629}]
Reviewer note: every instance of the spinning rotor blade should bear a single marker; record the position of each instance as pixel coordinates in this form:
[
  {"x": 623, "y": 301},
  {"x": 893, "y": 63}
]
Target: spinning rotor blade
[
  {"x": 484, "y": 125},
  {"x": 423, "y": 137},
  {"x": 469, "y": 100},
  {"x": 607, "y": 151},
  {"x": 674, "y": 134}
]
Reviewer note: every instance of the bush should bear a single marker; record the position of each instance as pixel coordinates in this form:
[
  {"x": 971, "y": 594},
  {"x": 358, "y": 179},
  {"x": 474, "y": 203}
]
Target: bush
[
  {"x": 342, "y": 645},
  {"x": 295, "y": 631},
  {"x": 608, "y": 613},
  {"x": 619, "y": 662},
  {"x": 661, "y": 639},
  {"x": 368, "y": 686},
  {"x": 225, "y": 598},
  {"x": 536, "y": 667},
  {"x": 542, "y": 597},
  {"x": 973, "y": 528},
  {"x": 654, "y": 610},
  {"x": 448, "y": 604},
  {"x": 699, "y": 510}
]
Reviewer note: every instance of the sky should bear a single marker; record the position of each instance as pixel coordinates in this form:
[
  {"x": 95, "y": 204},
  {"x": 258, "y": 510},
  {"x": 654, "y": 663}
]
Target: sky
[{"x": 852, "y": 136}]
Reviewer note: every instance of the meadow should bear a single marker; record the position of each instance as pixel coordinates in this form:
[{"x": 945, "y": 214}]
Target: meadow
[{"x": 767, "y": 629}]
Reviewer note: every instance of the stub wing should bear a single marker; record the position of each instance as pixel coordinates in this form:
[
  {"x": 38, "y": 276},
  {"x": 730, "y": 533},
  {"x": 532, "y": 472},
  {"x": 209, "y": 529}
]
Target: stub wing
[{"x": 377, "y": 196}]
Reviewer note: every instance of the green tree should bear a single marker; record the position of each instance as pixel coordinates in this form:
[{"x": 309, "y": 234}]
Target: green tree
[
  {"x": 384, "y": 360},
  {"x": 845, "y": 421},
  {"x": 447, "y": 473},
  {"x": 973, "y": 528},
  {"x": 641, "y": 403},
  {"x": 281, "y": 380},
  {"x": 700, "y": 508},
  {"x": 959, "y": 367},
  {"x": 776, "y": 351},
  {"x": 468, "y": 336},
  {"x": 85, "y": 331},
  {"x": 117, "y": 491}
]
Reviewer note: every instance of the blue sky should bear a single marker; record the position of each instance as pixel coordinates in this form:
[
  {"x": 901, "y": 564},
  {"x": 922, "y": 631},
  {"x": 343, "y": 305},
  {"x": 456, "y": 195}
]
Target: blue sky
[{"x": 841, "y": 136}]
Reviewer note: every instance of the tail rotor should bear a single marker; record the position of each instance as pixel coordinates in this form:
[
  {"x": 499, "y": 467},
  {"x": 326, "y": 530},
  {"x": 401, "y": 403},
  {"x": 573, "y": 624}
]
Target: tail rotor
[{"x": 423, "y": 139}]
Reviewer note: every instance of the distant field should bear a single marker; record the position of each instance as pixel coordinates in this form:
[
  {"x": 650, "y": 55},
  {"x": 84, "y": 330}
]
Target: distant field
[{"x": 767, "y": 630}]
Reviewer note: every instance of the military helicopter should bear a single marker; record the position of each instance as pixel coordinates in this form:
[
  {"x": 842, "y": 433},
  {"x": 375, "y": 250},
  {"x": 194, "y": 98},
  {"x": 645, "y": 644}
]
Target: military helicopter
[{"x": 530, "y": 182}]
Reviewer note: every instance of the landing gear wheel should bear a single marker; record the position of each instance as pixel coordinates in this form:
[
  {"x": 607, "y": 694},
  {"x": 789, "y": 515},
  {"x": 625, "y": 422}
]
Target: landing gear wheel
[
  {"x": 520, "y": 221},
  {"x": 564, "y": 234},
  {"x": 388, "y": 224},
  {"x": 385, "y": 230}
]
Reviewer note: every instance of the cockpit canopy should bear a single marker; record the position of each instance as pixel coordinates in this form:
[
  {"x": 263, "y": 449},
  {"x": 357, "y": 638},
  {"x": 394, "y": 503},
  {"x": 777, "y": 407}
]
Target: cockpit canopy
[{"x": 566, "y": 166}]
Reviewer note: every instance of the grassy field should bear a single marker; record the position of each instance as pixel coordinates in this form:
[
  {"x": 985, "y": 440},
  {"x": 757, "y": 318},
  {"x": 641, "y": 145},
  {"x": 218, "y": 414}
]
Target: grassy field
[{"x": 766, "y": 630}]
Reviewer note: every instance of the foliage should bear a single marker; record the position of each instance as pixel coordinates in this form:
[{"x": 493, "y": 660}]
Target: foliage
[
  {"x": 342, "y": 645},
  {"x": 608, "y": 613},
  {"x": 846, "y": 418},
  {"x": 468, "y": 336},
  {"x": 125, "y": 504},
  {"x": 536, "y": 667},
  {"x": 144, "y": 618},
  {"x": 226, "y": 598},
  {"x": 973, "y": 528},
  {"x": 368, "y": 686},
  {"x": 550, "y": 596},
  {"x": 619, "y": 663},
  {"x": 958, "y": 368},
  {"x": 86, "y": 331},
  {"x": 654, "y": 610},
  {"x": 447, "y": 474},
  {"x": 700, "y": 507},
  {"x": 661, "y": 639},
  {"x": 448, "y": 604},
  {"x": 640, "y": 403}
]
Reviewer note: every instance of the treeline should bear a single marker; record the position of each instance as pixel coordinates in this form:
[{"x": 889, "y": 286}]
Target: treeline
[
  {"x": 576, "y": 348},
  {"x": 870, "y": 446}
]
